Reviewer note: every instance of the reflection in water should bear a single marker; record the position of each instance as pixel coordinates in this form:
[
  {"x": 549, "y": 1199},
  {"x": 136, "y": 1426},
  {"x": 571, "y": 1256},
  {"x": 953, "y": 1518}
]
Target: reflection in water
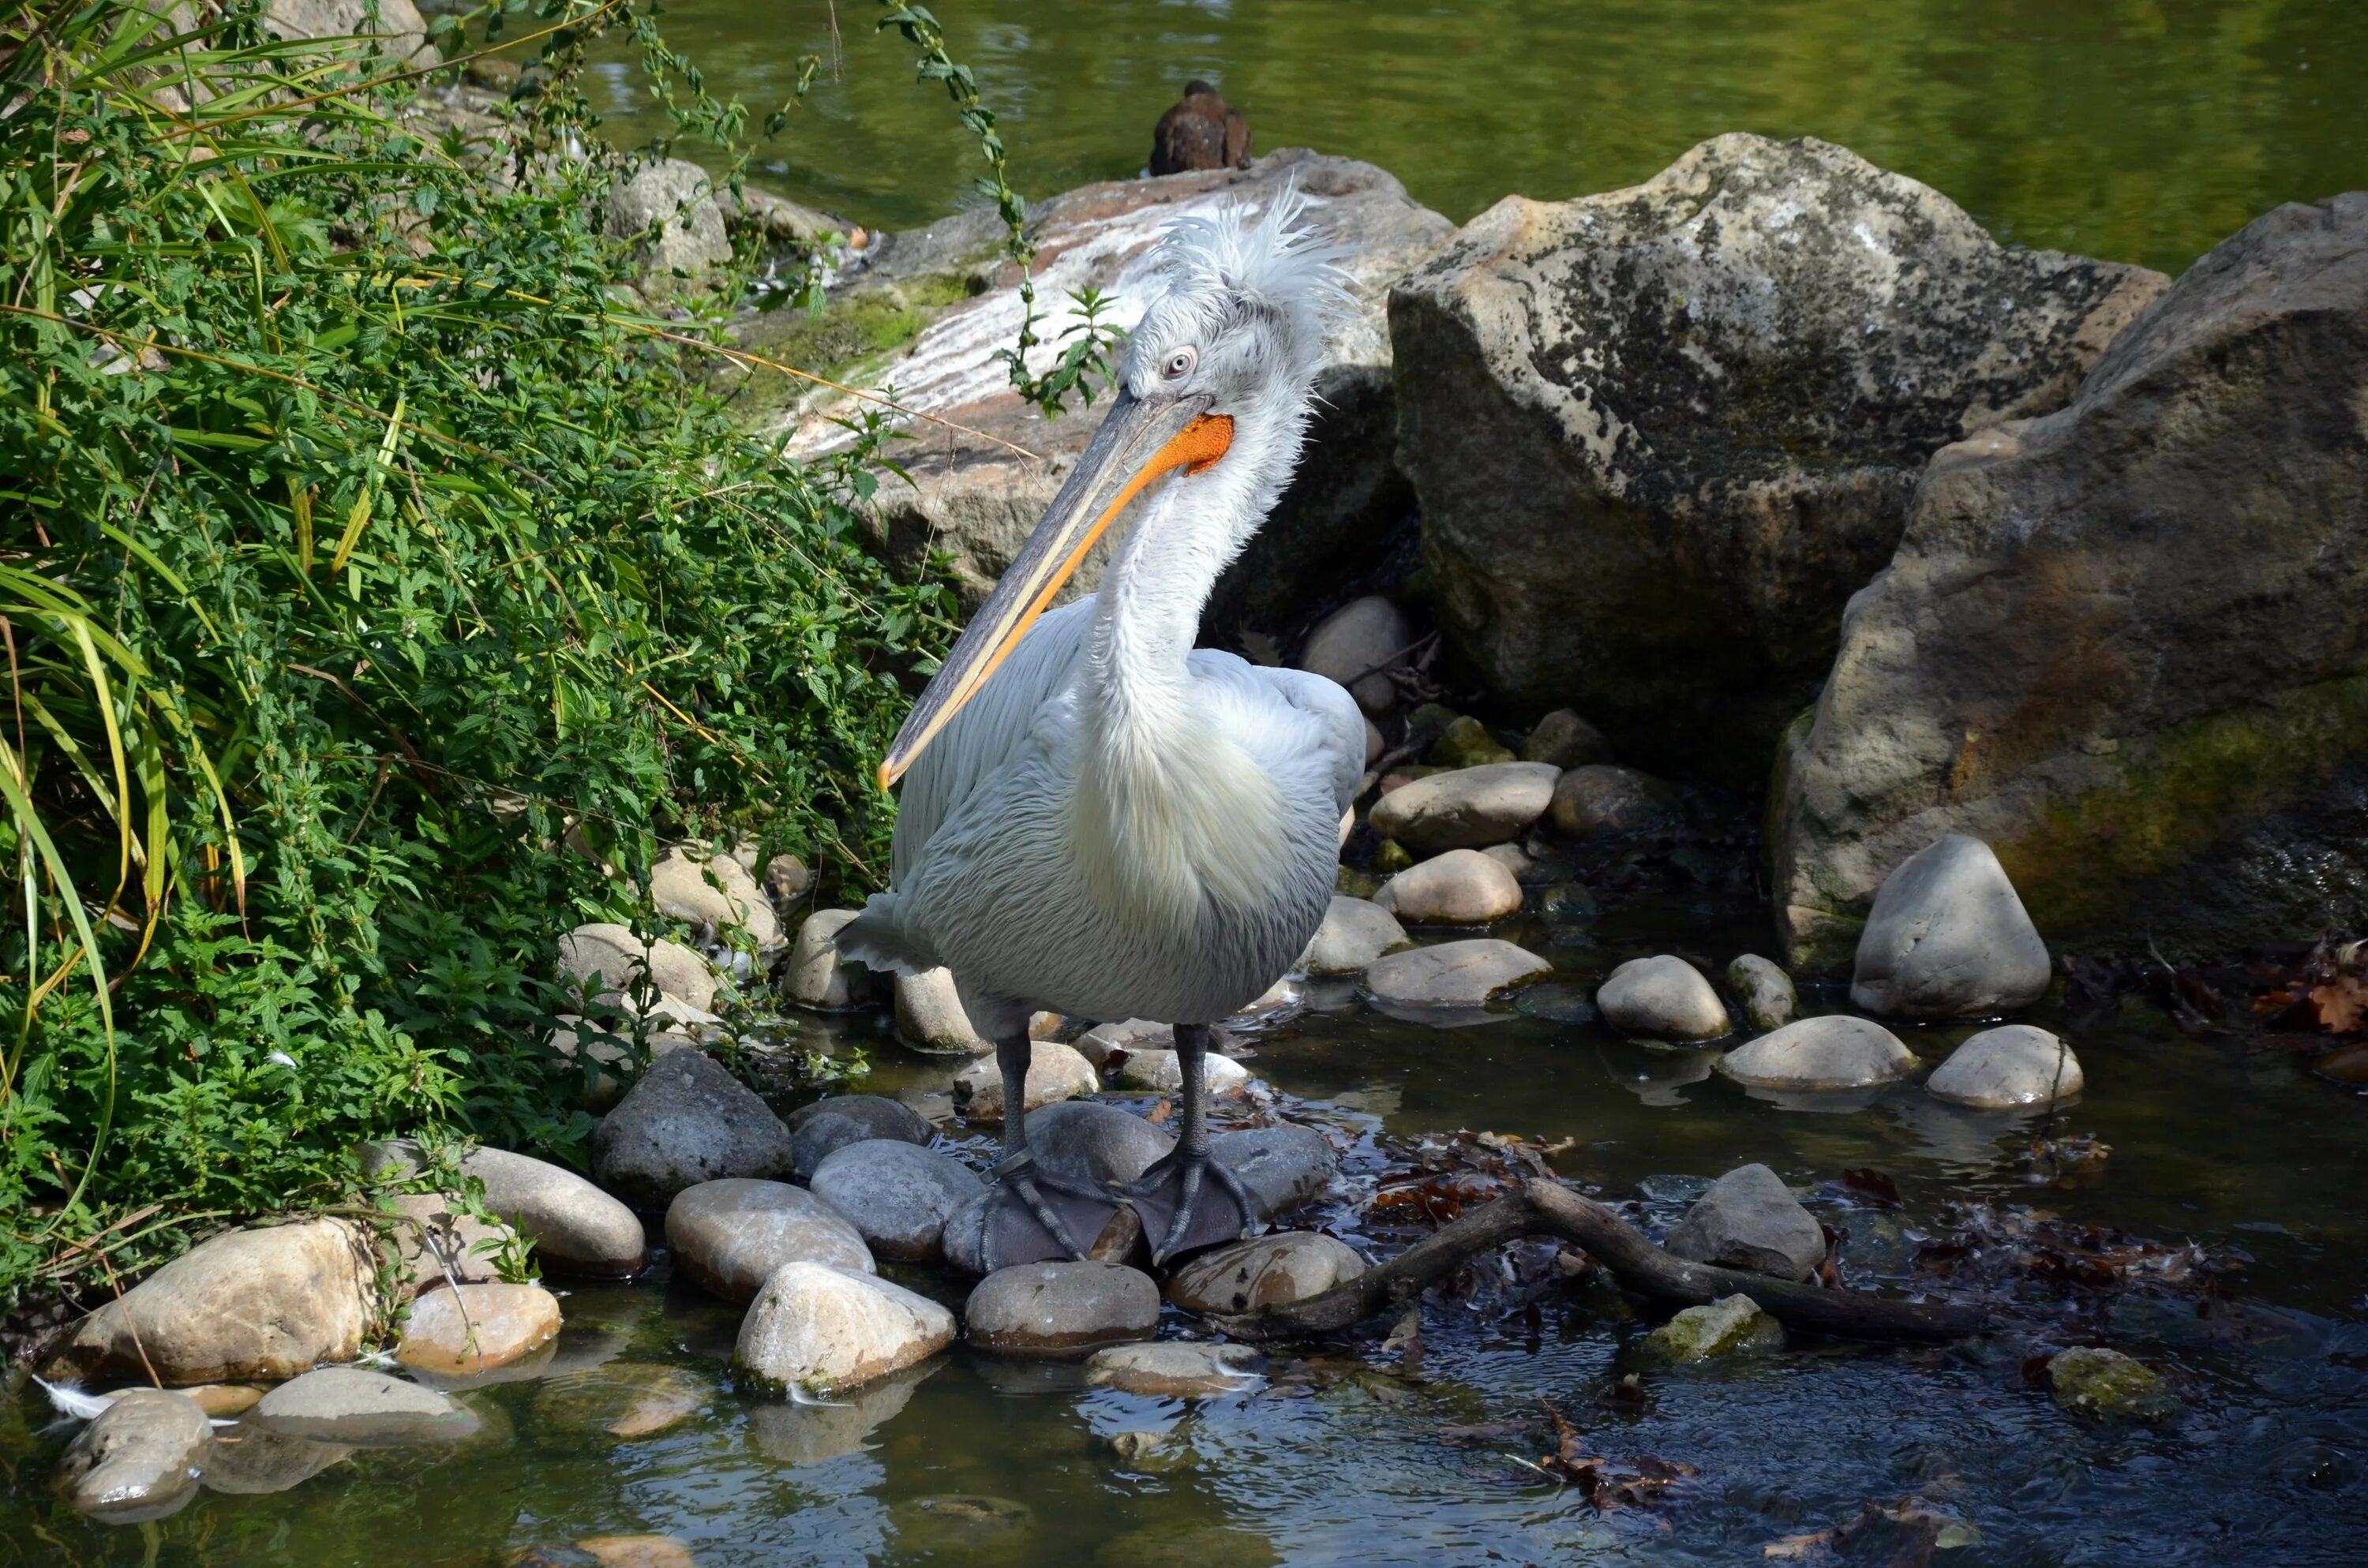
[{"x": 796, "y": 1432}]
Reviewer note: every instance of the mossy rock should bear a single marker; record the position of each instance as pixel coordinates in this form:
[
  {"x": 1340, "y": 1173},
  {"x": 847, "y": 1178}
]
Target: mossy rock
[
  {"x": 2106, "y": 1385},
  {"x": 1728, "y": 1327},
  {"x": 1466, "y": 743},
  {"x": 856, "y": 335}
]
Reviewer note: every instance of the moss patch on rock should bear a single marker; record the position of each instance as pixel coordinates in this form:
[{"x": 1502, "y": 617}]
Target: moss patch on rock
[{"x": 858, "y": 334}]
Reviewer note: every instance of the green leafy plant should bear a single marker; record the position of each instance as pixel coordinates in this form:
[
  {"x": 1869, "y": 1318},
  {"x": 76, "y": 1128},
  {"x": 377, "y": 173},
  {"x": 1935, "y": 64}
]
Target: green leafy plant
[{"x": 377, "y": 573}]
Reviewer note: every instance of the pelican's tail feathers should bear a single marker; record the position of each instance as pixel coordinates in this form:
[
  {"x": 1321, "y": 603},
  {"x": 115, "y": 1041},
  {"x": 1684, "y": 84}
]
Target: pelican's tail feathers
[{"x": 877, "y": 939}]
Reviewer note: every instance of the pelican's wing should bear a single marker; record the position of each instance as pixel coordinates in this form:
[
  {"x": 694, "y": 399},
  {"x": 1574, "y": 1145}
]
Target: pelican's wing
[{"x": 1336, "y": 728}]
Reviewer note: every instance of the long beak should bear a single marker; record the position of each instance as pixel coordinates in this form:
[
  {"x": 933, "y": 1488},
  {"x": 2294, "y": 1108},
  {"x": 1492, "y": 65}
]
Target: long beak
[{"x": 1139, "y": 440}]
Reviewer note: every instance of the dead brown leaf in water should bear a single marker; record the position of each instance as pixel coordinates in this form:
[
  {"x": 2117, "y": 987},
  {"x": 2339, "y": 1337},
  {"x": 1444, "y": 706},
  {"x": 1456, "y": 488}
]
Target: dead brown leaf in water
[
  {"x": 2341, "y": 1004},
  {"x": 1609, "y": 1483}
]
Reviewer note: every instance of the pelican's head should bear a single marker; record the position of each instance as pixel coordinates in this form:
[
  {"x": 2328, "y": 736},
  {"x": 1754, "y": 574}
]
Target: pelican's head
[{"x": 1214, "y": 383}]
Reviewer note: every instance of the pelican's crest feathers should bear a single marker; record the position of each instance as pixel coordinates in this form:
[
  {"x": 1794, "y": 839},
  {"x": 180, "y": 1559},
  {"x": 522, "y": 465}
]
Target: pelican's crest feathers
[{"x": 1283, "y": 262}]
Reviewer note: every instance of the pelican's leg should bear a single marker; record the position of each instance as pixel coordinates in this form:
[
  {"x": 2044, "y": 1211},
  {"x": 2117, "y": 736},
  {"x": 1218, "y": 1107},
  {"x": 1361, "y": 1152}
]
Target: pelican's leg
[
  {"x": 1174, "y": 1196},
  {"x": 1062, "y": 1208}
]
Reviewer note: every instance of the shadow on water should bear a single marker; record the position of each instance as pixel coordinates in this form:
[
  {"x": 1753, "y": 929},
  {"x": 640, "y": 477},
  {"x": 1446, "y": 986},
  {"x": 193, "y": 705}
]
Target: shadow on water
[{"x": 636, "y": 1431}]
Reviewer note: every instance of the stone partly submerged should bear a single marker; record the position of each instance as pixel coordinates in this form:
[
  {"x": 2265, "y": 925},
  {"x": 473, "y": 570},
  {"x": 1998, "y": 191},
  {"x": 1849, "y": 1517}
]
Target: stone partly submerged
[
  {"x": 817, "y": 1327},
  {"x": 1453, "y": 975},
  {"x": 1061, "y": 1309},
  {"x": 2120, "y": 644},
  {"x": 2008, "y": 1068},
  {"x": 353, "y": 1407},
  {"x": 1750, "y": 1219},
  {"x": 1827, "y": 1052},
  {"x": 688, "y": 1120},
  {"x": 1660, "y": 435},
  {"x": 730, "y": 1237},
  {"x": 138, "y": 1459},
  {"x": 1948, "y": 938},
  {"x": 929, "y": 312}
]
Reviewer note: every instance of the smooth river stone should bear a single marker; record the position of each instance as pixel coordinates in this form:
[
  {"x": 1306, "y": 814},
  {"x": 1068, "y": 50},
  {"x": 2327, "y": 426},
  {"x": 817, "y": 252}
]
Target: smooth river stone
[
  {"x": 1466, "y": 808},
  {"x": 1463, "y": 887},
  {"x": 816, "y": 1327},
  {"x": 1174, "y": 1368},
  {"x": 896, "y": 1194},
  {"x": 1662, "y": 998},
  {"x": 1265, "y": 1271},
  {"x": 624, "y": 1398},
  {"x": 138, "y": 1459},
  {"x": 1061, "y": 1309},
  {"x": 358, "y": 1408},
  {"x": 1948, "y": 937},
  {"x": 1355, "y": 932},
  {"x": 2003, "y": 1068},
  {"x": 817, "y": 977},
  {"x": 1750, "y": 1219},
  {"x": 576, "y": 1229},
  {"x": 1285, "y": 1168},
  {"x": 688, "y": 1120},
  {"x": 1765, "y": 991},
  {"x": 470, "y": 1329},
  {"x": 1464, "y": 973},
  {"x": 1827, "y": 1052},
  {"x": 1600, "y": 800},
  {"x": 1157, "y": 1072},
  {"x": 729, "y": 1236},
  {"x": 830, "y": 1124},
  {"x": 1092, "y": 1141},
  {"x": 612, "y": 955},
  {"x": 1056, "y": 1072},
  {"x": 929, "y": 1016}
]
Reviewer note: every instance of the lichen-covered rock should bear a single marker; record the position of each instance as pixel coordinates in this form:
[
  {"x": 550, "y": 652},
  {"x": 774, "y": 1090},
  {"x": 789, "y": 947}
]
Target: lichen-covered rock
[
  {"x": 977, "y": 501},
  {"x": 1725, "y": 1327},
  {"x": 1264, "y": 1271},
  {"x": 714, "y": 891},
  {"x": 619, "y": 961},
  {"x": 1662, "y": 998},
  {"x": 2120, "y": 644},
  {"x": 139, "y": 1459},
  {"x": 1827, "y": 1052},
  {"x": 2003, "y": 1068},
  {"x": 1948, "y": 938},
  {"x": 1466, "y": 808},
  {"x": 1355, "y": 932},
  {"x": 730, "y": 1237},
  {"x": 1463, "y": 887},
  {"x": 688, "y": 1120},
  {"x": 679, "y": 197},
  {"x": 1750, "y": 1219},
  {"x": 816, "y": 1327},
  {"x": 1466, "y": 743},
  {"x": 269, "y": 1302},
  {"x": 897, "y": 1194},
  {"x": 1765, "y": 990},
  {"x": 1453, "y": 974},
  {"x": 1061, "y": 1309},
  {"x": 1661, "y": 434},
  {"x": 1356, "y": 645},
  {"x": 2106, "y": 1385}
]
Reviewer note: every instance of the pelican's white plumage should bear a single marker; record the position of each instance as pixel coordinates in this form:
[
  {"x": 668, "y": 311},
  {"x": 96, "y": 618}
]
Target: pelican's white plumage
[{"x": 1112, "y": 824}]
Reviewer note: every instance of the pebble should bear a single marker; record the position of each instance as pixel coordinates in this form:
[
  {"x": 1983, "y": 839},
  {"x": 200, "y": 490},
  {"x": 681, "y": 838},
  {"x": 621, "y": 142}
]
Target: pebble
[
  {"x": 687, "y": 1121},
  {"x": 1091, "y": 1140},
  {"x": 1766, "y": 991},
  {"x": 1998, "y": 1069},
  {"x": 830, "y": 1124},
  {"x": 929, "y": 1015},
  {"x": 1285, "y": 1168},
  {"x": 1466, "y": 743},
  {"x": 1265, "y": 1271},
  {"x": 1103, "y": 1042},
  {"x": 1948, "y": 938},
  {"x": 470, "y": 1329},
  {"x": 685, "y": 887},
  {"x": 1175, "y": 1369},
  {"x": 1750, "y": 1219},
  {"x": 1056, "y": 1072},
  {"x": 1466, "y": 808},
  {"x": 1565, "y": 740},
  {"x": 1832, "y": 1052},
  {"x": 816, "y": 1327},
  {"x": 817, "y": 977},
  {"x": 1355, "y": 932},
  {"x": 194, "y": 1319},
  {"x": 1464, "y": 973},
  {"x": 1599, "y": 800},
  {"x": 1463, "y": 887},
  {"x": 730, "y": 1236},
  {"x": 1157, "y": 1072},
  {"x": 624, "y": 1398},
  {"x": 139, "y": 1459},
  {"x": 356, "y": 1408},
  {"x": 1060, "y": 1309},
  {"x": 2106, "y": 1385},
  {"x": 576, "y": 1229},
  {"x": 897, "y": 1195},
  {"x": 1354, "y": 645},
  {"x": 612, "y": 955},
  {"x": 1662, "y": 998},
  {"x": 1722, "y": 1328}
]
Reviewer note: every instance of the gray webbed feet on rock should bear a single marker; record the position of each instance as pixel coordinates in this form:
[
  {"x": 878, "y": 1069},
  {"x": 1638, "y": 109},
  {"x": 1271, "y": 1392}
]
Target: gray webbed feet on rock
[
  {"x": 1037, "y": 1216},
  {"x": 1189, "y": 1201}
]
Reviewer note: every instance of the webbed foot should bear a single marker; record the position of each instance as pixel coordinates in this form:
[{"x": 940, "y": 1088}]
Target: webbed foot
[{"x": 1189, "y": 1200}]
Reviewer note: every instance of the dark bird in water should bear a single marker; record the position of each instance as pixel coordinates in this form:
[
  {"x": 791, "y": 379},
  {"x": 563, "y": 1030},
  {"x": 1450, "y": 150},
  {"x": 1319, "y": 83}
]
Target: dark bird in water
[{"x": 1203, "y": 131}]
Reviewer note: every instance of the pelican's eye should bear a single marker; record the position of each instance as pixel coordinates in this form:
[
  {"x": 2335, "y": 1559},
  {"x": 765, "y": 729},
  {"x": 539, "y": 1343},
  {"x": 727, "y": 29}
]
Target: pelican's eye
[{"x": 1180, "y": 364}]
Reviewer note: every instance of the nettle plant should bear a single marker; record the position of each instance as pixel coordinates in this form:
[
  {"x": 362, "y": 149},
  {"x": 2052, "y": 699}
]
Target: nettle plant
[{"x": 363, "y": 547}]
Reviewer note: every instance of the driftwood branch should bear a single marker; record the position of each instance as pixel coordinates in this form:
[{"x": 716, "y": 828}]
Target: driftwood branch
[{"x": 1547, "y": 1209}]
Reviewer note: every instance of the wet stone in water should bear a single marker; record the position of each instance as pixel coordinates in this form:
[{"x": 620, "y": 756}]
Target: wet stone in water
[
  {"x": 1285, "y": 1168},
  {"x": 1265, "y": 1271},
  {"x": 2001, "y": 1068},
  {"x": 247, "y": 1460},
  {"x": 466, "y": 1329},
  {"x": 1355, "y": 932},
  {"x": 1061, "y": 1309},
  {"x": 1555, "y": 1003},
  {"x": 1175, "y": 1369},
  {"x": 814, "y": 1327},
  {"x": 1826, "y": 1052},
  {"x": 138, "y": 1459},
  {"x": 1724, "y": 1327},
  {"x": 2106, "y": 1385},
  {"x": 1662, "y": 998},
  {"x": 1463, "y": 887},
  {"x": 729, "y": 1236},
  {"x": 957, "y": 1524},
  {"x": 1765, "y": 991},
  {"x": 624, "y": 1398},
  {"x": 1748, "y": 1220},
  {"x": 361, "y": 1409}
]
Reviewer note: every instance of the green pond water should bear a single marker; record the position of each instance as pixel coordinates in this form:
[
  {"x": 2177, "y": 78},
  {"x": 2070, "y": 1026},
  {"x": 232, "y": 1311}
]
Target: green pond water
[
  {"x": 2141, "y": 130},
  {"x": 2138, "y": 129}
]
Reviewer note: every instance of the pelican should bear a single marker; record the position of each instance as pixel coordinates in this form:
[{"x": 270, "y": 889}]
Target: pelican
[{"x": 1099, "y": 818}]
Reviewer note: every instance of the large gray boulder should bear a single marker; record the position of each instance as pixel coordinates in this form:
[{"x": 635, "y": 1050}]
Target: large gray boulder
[
  {"x": 687, "y": 1121},
  {"x": 1660, "y": 435},
  {"x": 977, "y": 500},
  {"x": 2122, "y": 643},
  {"x": 1948, "y": 938}
]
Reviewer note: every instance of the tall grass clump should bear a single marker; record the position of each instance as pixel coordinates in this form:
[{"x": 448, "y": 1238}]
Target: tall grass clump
[{"x": 374, "y": 578}]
